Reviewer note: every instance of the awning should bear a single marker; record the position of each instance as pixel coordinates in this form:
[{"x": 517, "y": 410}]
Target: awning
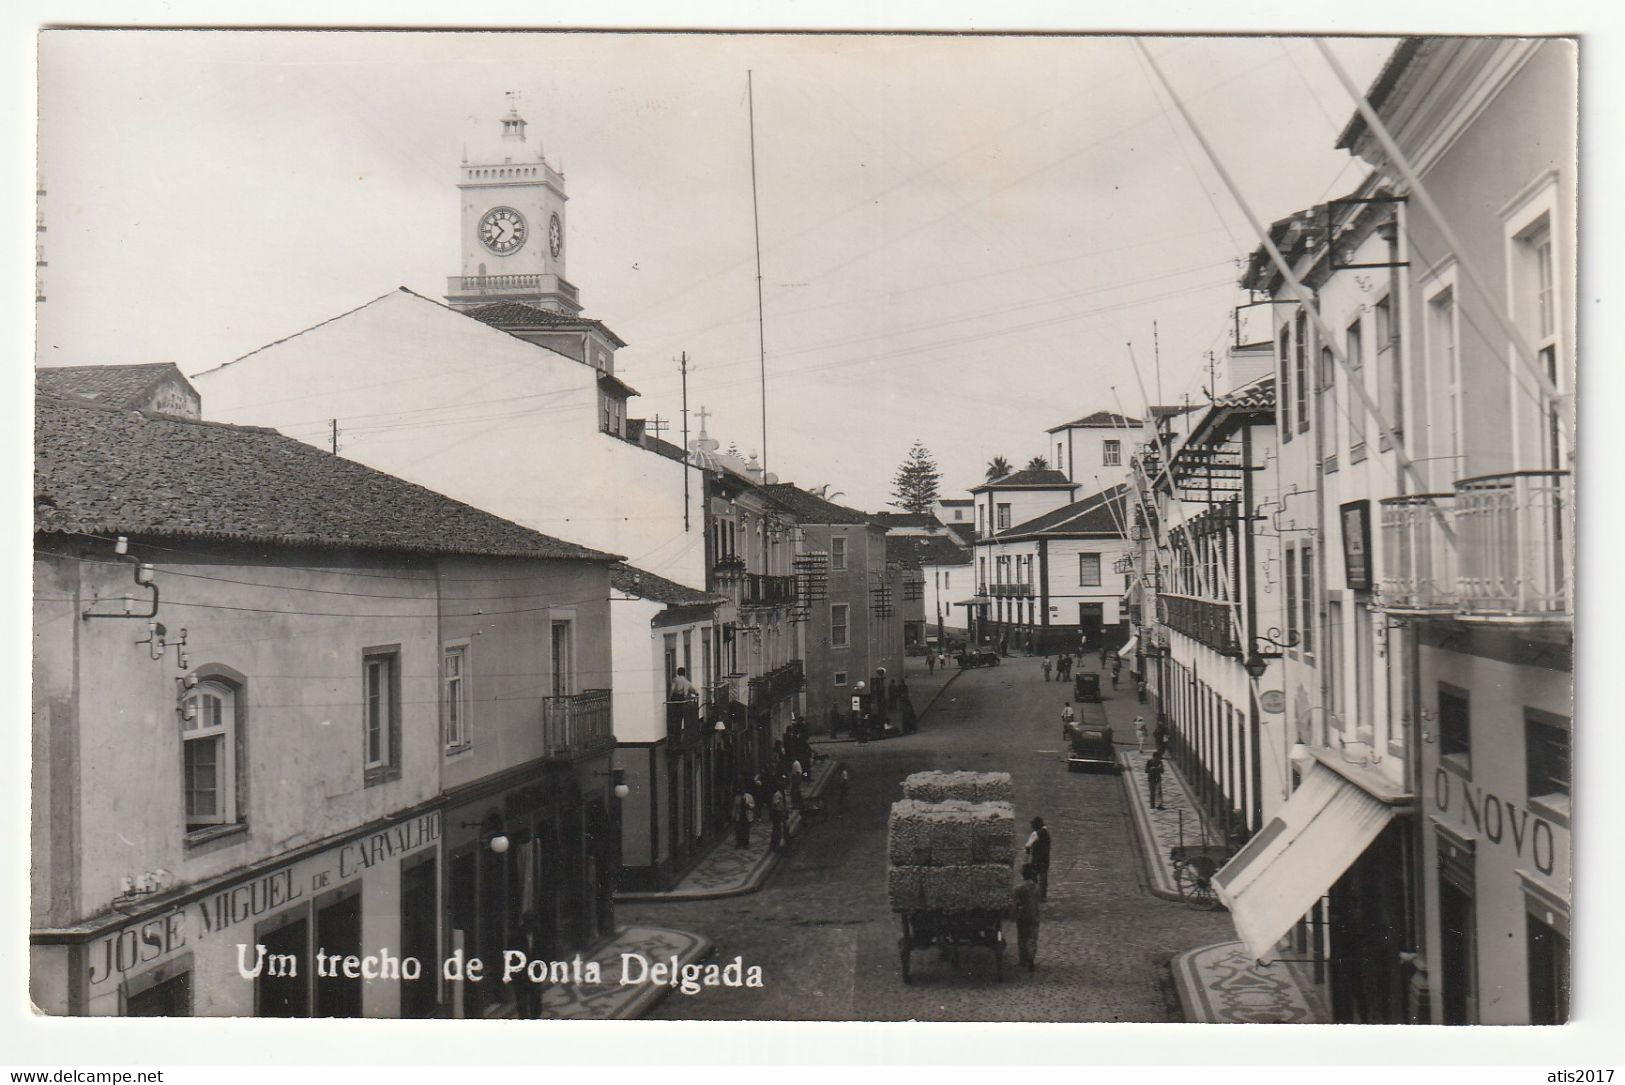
[
  {"x": 1271, "y": 883},
  {"x": 1127, "y": 650}
]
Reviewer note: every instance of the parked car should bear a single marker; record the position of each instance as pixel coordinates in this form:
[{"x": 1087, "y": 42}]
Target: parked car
[
  {"x": 978, "y": 657},
  {"x": 1089, "y": 746}
]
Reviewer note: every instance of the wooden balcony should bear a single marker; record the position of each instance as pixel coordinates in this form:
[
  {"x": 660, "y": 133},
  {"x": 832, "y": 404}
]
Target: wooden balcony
[
  {"x": 1418, "y": 555},
  {"x": 1205, "y": 621},
  {"x": 1514, "y": 543},
  {"x": 776, "y": 685},
  {"x": 577, "y": 726}
]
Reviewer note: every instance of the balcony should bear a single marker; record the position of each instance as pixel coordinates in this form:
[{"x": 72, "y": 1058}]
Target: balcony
[
  {"x": 467, "y": 287},
  {"x": 1514, "y": 533},
  {"x": 1418, "y": 556},
  {"x": 776, "y": 685},
  {"x": 763, "y": 590},
  {"x": 685, "y": 721},
  {"x": 730, "y": 567},
  {"x": 576, "y": 726},
  {"x": 1203, "y": 620}
]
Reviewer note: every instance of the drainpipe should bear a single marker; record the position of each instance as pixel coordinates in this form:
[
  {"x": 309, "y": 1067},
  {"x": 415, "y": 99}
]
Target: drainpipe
[{"x": 1254, "y": 724}]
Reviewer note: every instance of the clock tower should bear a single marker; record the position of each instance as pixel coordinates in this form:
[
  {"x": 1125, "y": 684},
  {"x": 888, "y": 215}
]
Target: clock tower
[{"x": 512, "y": 208}]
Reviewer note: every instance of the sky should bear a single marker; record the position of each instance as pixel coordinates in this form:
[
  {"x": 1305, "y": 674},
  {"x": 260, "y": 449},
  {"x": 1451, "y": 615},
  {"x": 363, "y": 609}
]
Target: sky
[{"x": 960, "y": 236}]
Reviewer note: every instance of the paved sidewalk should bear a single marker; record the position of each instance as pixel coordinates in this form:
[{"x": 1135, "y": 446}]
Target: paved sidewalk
[
  {"x": 1221, "y": 984},
  {"x": 727, "y": 871},
  {"x": 1218, "y": 983},
  {"x": 1178, "y": 820},
  {"x": 609, "y": 999}
]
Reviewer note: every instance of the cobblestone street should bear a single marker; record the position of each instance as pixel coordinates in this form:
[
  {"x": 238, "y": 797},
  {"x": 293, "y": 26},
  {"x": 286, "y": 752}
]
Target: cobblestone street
[{"x": 827, "y": 943}]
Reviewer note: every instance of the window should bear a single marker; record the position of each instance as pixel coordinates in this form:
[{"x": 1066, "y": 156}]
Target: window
[
  {"x": 978, "y": 519},
  {"x": 1111, "y": 453},
  {"x": 1455, "y": 726},
  {"x": 840, "y": 678},
  {"x": 381, "y": 712},
  {"x": 1547, "y": 758},
  {"x": 1537, "y": 306},
  {"x": 1060, "y": 460},
  {"x": 1306, "y": 574},
  {"x": 454, "y": 675},
  {"x": 1390, "y": 388},
  {"x": 1088, "y": 570},
  {"x": 1328, "y": 410},
  {"x": 1290, "y": 559},
  {"x": 837, "y": 553},
  {"x": 840, "y": 632},
  {"x": 563, "y": 658},
  {"x": 1441, "y": 333},
  {"x": 1004, "y": 516},
  {"x": 1357, "y": 412},
  {"x": 1284, "y": 397},
  {"x": 947, "y": 578},
  {"x": 209, "y": 755},
  {"x": 1300, "y": 365}
]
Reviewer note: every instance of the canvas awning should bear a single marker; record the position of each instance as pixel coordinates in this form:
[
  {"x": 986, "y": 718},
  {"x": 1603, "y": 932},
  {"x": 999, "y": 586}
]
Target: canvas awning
[
  {"x": 1271, "y": 883},
  {"x": 1128, "y": 648}
]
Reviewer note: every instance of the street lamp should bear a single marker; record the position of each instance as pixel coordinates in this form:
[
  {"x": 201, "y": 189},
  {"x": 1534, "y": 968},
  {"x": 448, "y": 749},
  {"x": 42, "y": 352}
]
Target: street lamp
[{"x": 1257, "y": 660}]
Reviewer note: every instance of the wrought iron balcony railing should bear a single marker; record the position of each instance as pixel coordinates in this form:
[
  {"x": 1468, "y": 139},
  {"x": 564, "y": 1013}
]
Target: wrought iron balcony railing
[
  {"x": 1514, "y": 540},
  {"x": 1203, "y": 620},
  {"x": 764, "y": 590},
  {"x": 776, "y": 685},
  {"x": 1418, "y": 556},
  {"x": 577, "y": 725}
]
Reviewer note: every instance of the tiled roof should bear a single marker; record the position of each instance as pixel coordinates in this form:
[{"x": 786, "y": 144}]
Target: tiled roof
[
  {"x": 103, "y": 471},
  {"x": 1388, "y": 78},
  {"x": 1097, "y": 514},
  {"x": 516, "y": 314},
  {"x": 953, "y": 502},
  {"x": 913, "y": 551},
  {"x": 1257, "y": 396},
  {"x": 809, "y": 508},
  {"x": 965, "y": 531},
  {"x": 634, "y": 581},
  {"x": 114, "y": 385},
  {"x": 1099, "y": 420},
  {"x": 1045, "y": 478},
  {"x": 662, "y": 447}
]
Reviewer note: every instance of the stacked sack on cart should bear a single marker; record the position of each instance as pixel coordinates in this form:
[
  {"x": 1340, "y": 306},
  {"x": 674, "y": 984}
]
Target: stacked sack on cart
[{"x": 951, "y": 843}]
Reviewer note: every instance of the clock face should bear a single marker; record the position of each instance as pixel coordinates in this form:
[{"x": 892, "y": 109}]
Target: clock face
[
  {"x": 555, "y": 236},
  {"x": 503, "y": 230}
]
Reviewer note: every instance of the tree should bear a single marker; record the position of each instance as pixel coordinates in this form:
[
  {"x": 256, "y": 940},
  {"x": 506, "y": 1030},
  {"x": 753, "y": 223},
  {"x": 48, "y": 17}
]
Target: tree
[
  {"x": 914, "y": 489},
  {"x": 997, "y": 468},
  {"x": 1037, "y": 463}
]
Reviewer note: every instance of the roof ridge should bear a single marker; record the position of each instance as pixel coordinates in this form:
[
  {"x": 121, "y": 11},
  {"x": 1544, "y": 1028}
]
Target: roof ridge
[
  {"x": 301, "y": 331},
  {"x": 70, "y": 399}
]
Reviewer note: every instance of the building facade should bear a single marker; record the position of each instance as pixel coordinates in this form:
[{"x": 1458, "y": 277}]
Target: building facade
[{"x": 283, "y": 700}]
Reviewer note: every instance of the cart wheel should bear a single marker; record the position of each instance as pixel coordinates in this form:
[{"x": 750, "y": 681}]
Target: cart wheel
[
  {"x": 903, "y": 952},
  {"x": 1195, "y": 883}
]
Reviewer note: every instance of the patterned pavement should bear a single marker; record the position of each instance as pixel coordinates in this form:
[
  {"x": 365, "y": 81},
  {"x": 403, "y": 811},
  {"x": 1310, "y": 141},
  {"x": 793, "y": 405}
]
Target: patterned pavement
[
  {"x": 1216, "y": 983},
  {"x": 610, "y": 999},
  {"x": 1177, "y": 822},
  {"x": 1221, "y": 984},
  {"x": 727, "y": 871}
]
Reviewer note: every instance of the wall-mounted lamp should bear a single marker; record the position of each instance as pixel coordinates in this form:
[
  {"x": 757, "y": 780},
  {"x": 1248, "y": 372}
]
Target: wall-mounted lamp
[
  {"x": 1257, "y": 661},
  {"x": 721, "y": 728},
  {"x": 492, "y": 834},
  {"x": 618, "y": 788}
]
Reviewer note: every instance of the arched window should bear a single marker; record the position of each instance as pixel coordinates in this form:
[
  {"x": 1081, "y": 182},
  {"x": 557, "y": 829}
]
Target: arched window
[{"x": 209, "y": 755}]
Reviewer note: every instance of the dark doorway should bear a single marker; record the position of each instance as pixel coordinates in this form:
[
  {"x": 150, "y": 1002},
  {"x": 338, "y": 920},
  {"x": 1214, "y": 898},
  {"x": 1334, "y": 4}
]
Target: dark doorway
[
  {"x": 418, "y": 911},
  {"x": 1092, "y": 623},
  {"x": 1458, "y": 937},
  {"x": 1548, "y": 975},
  {"x": 167, "y": 998},
  {"x": 338, "y": 934},
  {"x": 285, "y": 992}
]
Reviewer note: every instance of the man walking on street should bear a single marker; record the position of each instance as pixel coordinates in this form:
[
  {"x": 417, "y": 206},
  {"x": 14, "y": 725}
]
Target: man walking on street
[
  {"x": 1026, "y": 901},
  {"x": 1153, "y": 780},
  {"x": 1068, "y": 719},
  {"x": 1139, "y": 689},
  {"x": 744, "y": 806},
  {"x": 930, "y": 662},
  {"x": 1139, "y": 733},
  {"x": 1038, "y": 856},
  {"x": 1046, "y": 668},
  {"x": 842, "y": 782},
  {"x": 779, "y": 814}
]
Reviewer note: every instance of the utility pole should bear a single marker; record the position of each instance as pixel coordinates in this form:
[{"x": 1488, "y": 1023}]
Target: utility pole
[
  {"x": 756, "y": 221},
  {"x": 1156, "y": 360},
  {"x": 333, "y": 430},
  {"x": 683, "y": 369}
]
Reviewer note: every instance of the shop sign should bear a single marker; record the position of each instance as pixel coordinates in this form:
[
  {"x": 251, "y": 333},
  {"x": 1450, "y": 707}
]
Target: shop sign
[
  {"x": 1356, "y": 519},
  {"x": 138, "y": 945},
  {"x": 1502, "y": 823},
  {"x": 1272, "y": 701}
]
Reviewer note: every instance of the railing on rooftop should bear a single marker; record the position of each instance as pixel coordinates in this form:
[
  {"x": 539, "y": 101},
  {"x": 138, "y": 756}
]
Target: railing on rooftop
[
  {"x": 509, "y": 284},
  {"x": 1418, "y": 557},
  {"x": 577, "y": 725},
  {"x": 1514, "y": 541}
]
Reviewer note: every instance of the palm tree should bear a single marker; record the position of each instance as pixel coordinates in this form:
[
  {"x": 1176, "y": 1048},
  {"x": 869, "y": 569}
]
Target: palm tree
[
  {"x": 998, "y": 467},
  {"x": 1037, "y": 463},
  {"x": 822, "y": 490}
]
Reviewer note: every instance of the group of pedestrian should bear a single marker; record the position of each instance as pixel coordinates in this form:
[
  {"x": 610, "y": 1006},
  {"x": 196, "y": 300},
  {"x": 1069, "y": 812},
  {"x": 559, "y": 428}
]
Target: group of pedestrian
[
  {"x": 1063, "y": 667},
  {"x": 1153, "y": 764}
]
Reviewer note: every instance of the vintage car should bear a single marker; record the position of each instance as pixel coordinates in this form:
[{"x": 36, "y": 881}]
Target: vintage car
[
  {"x": 978, "y": 657},
  {"x": 1089, "y": 746}
]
